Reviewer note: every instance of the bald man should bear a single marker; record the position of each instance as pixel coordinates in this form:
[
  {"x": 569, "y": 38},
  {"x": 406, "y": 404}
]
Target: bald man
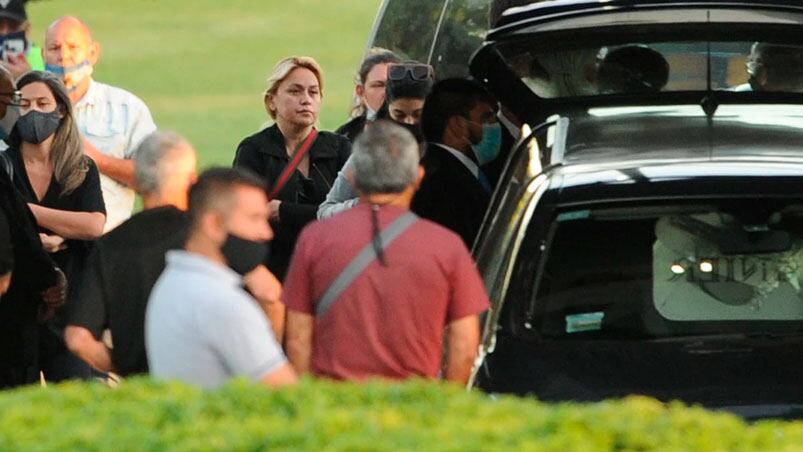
[{"x": 111, "y": 120}]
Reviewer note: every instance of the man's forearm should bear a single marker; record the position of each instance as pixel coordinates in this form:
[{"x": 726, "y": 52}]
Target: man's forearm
[
  {"x": 121, "y": 170},
  {"x": 299, "y": 340},
  {"x": 83, "y": 344}
]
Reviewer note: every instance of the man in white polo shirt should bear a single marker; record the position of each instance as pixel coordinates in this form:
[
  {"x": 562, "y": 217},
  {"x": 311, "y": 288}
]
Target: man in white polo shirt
[
  {"x": 111, "y": 120},
  {"x": 201, "y": 326}
]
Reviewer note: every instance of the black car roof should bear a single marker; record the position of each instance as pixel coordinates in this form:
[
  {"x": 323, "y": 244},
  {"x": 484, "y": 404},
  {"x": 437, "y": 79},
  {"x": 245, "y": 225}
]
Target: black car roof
[{"x": 559, "y": 9}]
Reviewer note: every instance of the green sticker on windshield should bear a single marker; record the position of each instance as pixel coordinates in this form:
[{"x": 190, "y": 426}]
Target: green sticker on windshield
[
  {"x": 591, "y": 321},
  {"x": 575, "y": 215}
]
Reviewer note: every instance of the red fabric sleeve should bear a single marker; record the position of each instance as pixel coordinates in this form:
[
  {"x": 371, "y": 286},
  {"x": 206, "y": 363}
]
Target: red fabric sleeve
[
  {"x": 469, "y": 296},
  {"x": 297, "y": 292}
]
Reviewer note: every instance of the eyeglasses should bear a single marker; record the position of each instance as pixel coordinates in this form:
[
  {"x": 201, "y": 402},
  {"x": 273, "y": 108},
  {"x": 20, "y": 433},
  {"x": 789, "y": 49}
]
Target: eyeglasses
[
  {"x": 416, "y": 71},
  {"x": 16, "y": 98}
]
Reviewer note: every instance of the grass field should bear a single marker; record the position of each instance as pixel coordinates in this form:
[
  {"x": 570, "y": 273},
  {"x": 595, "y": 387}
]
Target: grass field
[{"x": 201, "y": 65}]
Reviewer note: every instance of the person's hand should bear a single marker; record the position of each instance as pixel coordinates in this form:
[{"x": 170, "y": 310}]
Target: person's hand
[
  {"x": 91, "y": 151},
  {"x": 17, "y": 64},
  {"x": 53, "y": 297},
  {"x": 273, "y": 209},
  {"x": 263, "y": 285},
  {"x": 5, "y": 282},
  {"x": 52, "y": 243}
]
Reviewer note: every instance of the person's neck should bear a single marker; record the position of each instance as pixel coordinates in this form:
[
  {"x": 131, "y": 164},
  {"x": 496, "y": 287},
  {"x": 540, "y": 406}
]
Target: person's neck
[
  {"x": 198, "y": 244},
  {"x": 293, "y": 135},
  {"x": 36, "y": 153},
  {"x": 156, "y": 201},
  {"x": 80, "y": 90},
  {"x": 458, "y": 143},
  {"x": 403, "y": 199}
]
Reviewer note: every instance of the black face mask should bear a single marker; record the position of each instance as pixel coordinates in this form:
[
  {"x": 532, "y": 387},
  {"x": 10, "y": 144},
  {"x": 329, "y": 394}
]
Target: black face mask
[
  {"x": 35, "y": 126},
  {"x": 243, "y": 255}
]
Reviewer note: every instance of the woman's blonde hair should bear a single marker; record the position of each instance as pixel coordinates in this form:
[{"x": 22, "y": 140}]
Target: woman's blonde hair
[
  {"x": 283, "y": 68},
  {"x": 70, "y": 165}
]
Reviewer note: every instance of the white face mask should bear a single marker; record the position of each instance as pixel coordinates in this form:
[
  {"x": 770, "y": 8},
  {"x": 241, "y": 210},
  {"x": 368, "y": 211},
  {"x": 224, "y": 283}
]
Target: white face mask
[{"x": 369, "y": 113}]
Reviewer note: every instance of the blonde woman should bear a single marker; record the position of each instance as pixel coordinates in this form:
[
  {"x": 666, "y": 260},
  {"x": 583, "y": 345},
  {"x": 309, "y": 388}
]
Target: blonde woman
[
  {"x": 298, "y": 163},
  {"x": 62, "y": 187}
]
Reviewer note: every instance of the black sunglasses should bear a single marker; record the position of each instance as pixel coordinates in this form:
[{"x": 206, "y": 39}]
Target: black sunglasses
[{"x": 417, "y": 71}]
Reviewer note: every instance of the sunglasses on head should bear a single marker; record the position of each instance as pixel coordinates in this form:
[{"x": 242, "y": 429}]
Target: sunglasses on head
[{"x": 417, "y": 71}]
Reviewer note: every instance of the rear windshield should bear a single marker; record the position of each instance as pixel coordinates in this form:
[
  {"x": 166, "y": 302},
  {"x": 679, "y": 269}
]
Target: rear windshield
[
  {"x": 651, "y": 67},
  {"x": 673, "y": 270}
]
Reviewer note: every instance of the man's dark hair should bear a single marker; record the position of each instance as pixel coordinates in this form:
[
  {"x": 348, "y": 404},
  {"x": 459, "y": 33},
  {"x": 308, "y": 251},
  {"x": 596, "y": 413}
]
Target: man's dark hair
[
  {"x": 448, "y": 98},
  {"x": 498, "y": 7},
  {"x": 214, "y": 190}
]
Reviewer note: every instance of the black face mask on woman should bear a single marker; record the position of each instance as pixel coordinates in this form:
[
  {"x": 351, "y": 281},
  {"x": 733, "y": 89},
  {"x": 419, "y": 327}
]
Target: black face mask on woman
[
  {"x": 243, "y": 255},
  {"x": 35, "y": 126}
]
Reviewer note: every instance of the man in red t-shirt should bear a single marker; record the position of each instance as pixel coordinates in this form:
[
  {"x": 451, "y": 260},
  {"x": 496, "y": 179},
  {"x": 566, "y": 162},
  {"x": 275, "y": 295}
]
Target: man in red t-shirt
[{"x": 384, "y": 313}]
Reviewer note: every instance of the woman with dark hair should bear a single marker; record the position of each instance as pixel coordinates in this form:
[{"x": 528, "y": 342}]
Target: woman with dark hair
[
  {"x": 62, "y": 188},
  {"x": 407, "y": 87},
  {"x": 369, "y": 91}
]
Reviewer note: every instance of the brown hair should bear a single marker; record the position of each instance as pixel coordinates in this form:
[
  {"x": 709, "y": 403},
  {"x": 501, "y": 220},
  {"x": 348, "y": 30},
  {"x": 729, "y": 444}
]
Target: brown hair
[{"x": 70, "y": 165}]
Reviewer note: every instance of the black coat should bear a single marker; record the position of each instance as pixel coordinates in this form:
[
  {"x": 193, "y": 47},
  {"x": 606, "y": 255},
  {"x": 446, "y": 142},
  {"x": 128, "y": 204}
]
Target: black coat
[
  {"x": 265, "y": 154},
  {"x": 352, "y": 128},
  {"x": 34, "y": 272},
  {"x": 450, "y": 194}
]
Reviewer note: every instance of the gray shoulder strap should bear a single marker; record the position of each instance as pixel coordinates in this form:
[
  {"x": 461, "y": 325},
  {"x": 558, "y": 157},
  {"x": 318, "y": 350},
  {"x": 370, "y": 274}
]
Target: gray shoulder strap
[{"x": 360, "y": 262}]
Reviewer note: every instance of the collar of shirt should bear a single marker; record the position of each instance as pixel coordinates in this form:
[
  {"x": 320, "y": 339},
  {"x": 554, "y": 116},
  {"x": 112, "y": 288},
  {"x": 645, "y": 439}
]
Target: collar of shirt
[
  {"x": 463, "y": 158},
  {"x": 195, "y": 263},
  {"x": 91, "y": 96}
]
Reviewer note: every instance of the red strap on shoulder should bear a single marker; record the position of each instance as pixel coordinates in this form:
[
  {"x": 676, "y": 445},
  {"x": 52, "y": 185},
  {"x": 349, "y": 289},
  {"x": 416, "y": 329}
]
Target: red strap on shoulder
[{"x": 301, "y": 151}]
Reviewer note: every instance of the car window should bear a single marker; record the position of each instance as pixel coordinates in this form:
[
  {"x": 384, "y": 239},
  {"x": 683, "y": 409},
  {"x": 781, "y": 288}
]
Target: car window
[
  {"x": 461, "y": 34},
  {"x": 407, "y": 27},
  {"x": 651, "y": 67},
  {"x": 662, "y": 271}
]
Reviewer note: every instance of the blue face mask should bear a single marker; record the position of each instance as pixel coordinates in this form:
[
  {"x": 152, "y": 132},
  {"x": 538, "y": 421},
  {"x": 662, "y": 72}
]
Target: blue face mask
[
  {"x": 73, "y": 75},
  {"x": 488, "y": 148}
]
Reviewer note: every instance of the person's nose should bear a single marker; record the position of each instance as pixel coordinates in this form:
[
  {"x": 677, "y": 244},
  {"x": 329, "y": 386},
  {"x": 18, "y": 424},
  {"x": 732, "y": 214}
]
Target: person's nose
[{"x": 409, "y": 121}]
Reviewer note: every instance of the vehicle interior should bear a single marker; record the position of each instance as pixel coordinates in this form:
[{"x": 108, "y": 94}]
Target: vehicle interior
[{"x": 700, "y": 302}]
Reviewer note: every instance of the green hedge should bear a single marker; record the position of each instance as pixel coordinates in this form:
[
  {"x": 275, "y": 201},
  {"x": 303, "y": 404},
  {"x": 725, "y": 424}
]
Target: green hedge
[{"x": 143, "y": 415}]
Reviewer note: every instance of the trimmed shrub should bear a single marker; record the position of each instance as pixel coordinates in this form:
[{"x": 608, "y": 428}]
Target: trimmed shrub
[{"x": 144, "y": 415}]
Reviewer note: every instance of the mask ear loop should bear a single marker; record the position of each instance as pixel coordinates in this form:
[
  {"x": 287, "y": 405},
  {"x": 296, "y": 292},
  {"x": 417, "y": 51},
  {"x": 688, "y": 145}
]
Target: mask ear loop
[{"x": 376, "y": 239}]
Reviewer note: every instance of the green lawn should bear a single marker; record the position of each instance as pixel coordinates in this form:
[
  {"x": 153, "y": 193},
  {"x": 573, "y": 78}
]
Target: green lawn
[{"x": 201, "y": 65}]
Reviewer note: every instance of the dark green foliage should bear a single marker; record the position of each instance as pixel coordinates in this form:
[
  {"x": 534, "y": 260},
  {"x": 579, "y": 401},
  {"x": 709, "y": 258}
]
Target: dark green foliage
[{"x": 144, "y": 415}]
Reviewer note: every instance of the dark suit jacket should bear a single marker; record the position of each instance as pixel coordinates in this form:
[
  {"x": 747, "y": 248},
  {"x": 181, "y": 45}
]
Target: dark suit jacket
[{"x": 450, "y": 194}]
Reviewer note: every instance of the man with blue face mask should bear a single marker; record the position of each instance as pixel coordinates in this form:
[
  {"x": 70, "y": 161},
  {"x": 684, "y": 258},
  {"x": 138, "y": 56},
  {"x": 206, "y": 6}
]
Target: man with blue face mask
[
  {"x": 111, "y": 120},
  {"x": 460, "y": 126}
]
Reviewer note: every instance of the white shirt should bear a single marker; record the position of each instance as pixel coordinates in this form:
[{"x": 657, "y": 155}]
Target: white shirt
[
  {"x": 114, "y": 121},
  {"x": 470, "y": 164},
  {"x": 202, "y": 328}
]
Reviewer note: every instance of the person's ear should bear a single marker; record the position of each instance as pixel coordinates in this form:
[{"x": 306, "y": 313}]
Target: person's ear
[
  {"x": 213, "y": 226},
  {"x": 269, "y": 104},
  {"x": 359, "y": 90},
  {"x": 94, "y": 53},
  {"x": 420, "y": 177}
]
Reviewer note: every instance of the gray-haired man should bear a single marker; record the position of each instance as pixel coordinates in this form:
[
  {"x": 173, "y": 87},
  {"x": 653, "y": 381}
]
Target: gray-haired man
[
  {"x": 377, "y": 306},
  {"x": 126, "y": 262}
]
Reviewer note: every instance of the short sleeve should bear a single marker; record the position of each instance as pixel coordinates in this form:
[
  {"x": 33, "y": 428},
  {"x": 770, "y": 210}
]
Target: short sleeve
[
  {"x": 89, "y": 197},
  {"x": 469, "y": 296},
  {"x": 242, "y": 337},
  {"x": 297, "y": 293},
  {"x": 89, "y": 307},
  {"x": 140, "y": 126}
]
